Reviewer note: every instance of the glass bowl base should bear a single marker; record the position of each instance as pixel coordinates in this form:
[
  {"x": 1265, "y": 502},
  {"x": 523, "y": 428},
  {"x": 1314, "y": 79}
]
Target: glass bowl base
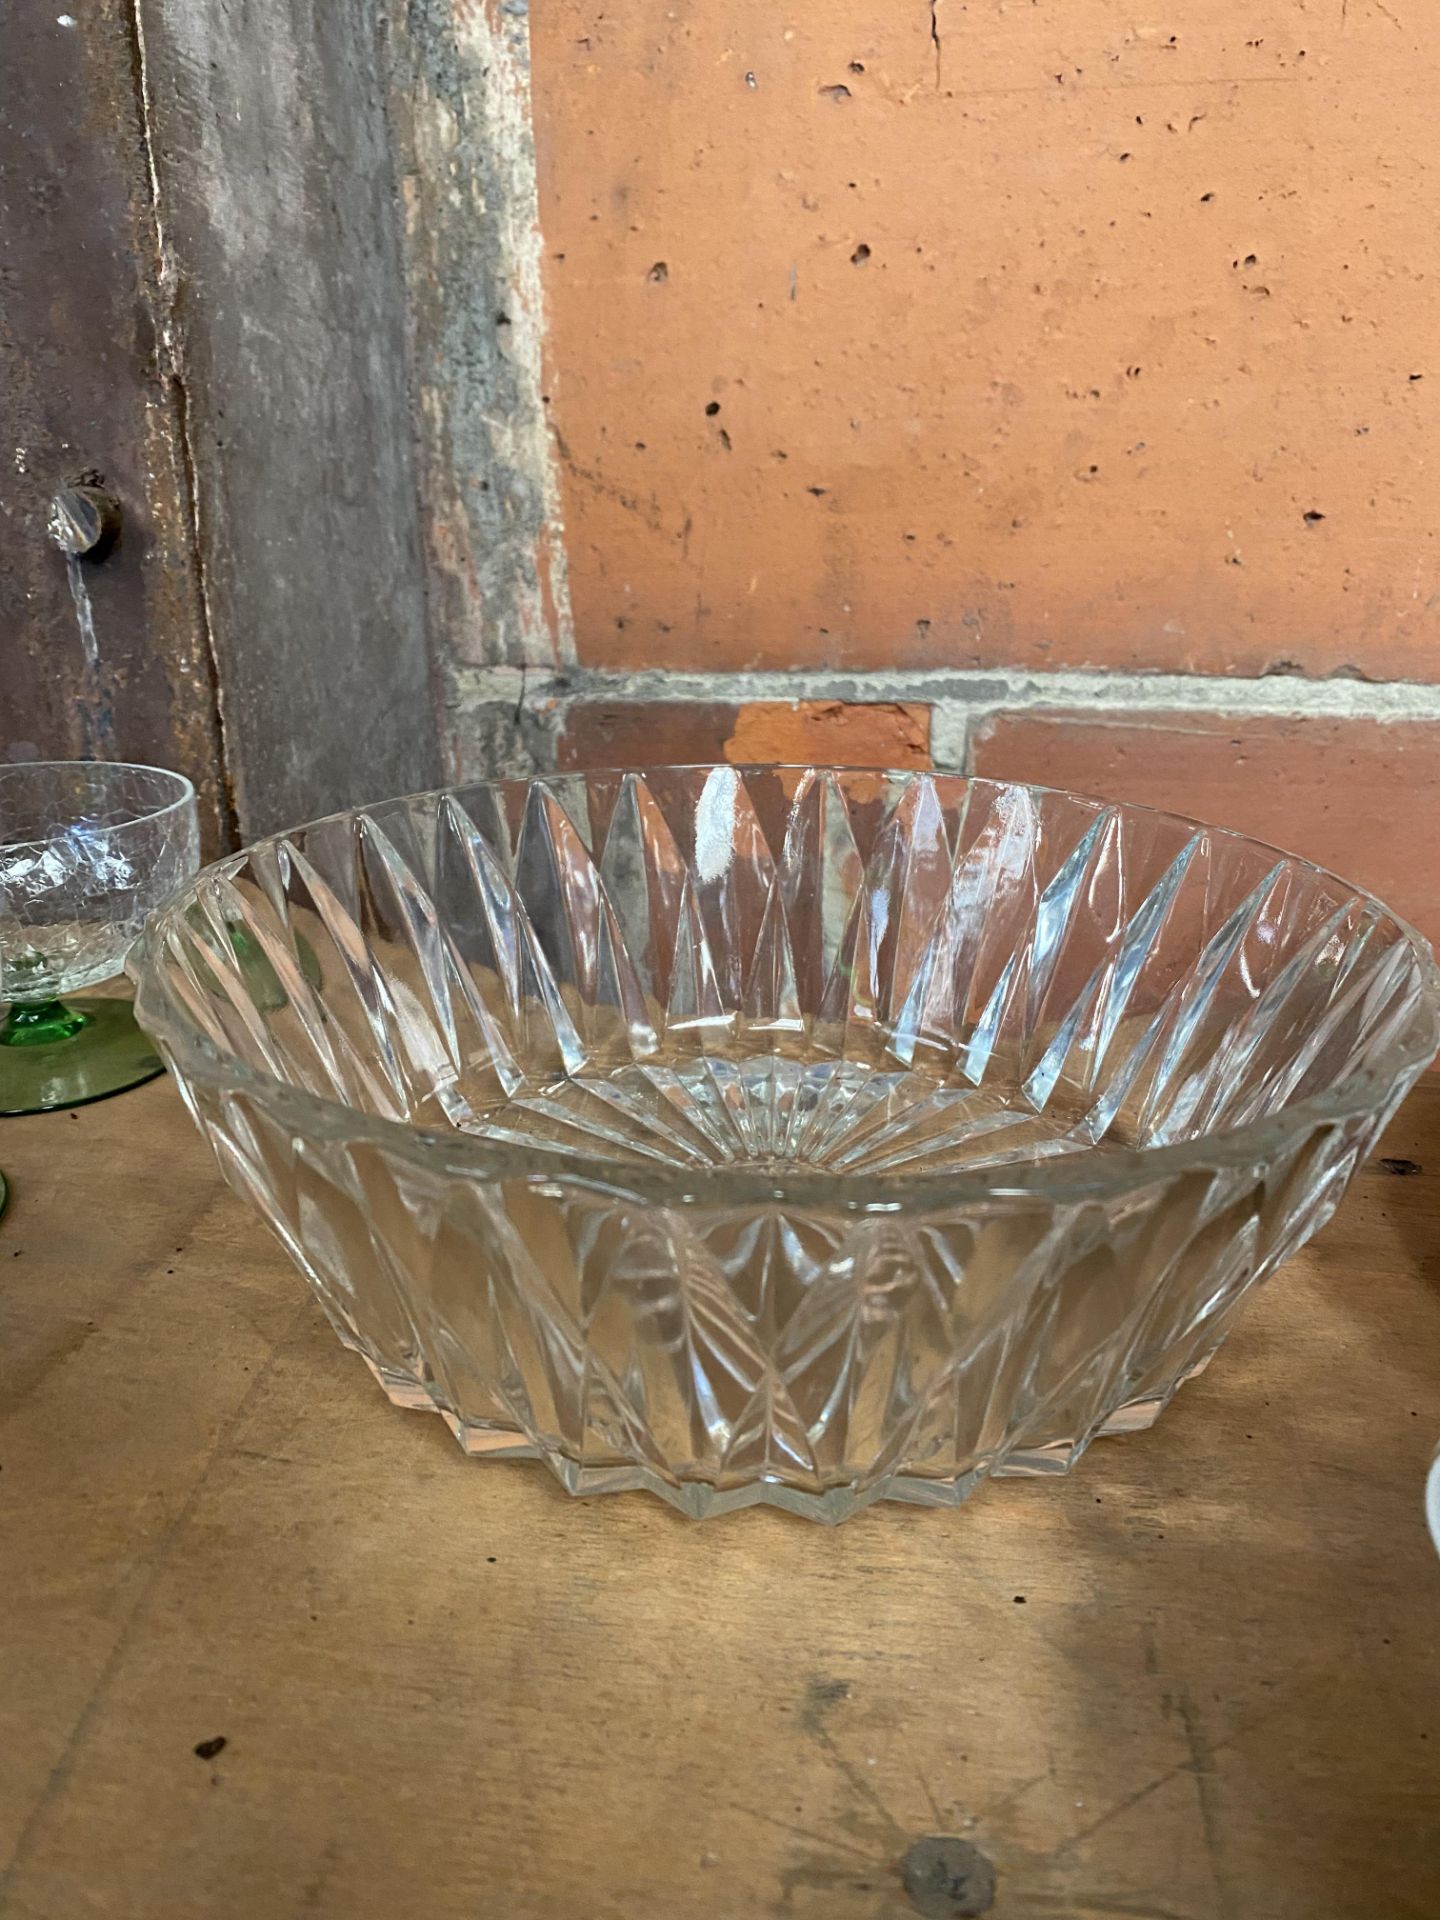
[
  {"x": 781, "y": 1114},
  {"x": 699, "y": 1499},
  {"x": 104, "y": 1055}
]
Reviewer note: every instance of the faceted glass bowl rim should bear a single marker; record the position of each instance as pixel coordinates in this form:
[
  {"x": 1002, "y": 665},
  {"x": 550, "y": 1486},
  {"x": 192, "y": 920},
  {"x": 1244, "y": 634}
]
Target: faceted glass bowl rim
[
  {"x": 1068, "y": 1178},
  {"x": 184, "y": 796}
]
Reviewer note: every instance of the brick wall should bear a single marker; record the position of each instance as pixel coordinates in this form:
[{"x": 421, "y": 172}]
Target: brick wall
[{"x": 1049, "y": 390}]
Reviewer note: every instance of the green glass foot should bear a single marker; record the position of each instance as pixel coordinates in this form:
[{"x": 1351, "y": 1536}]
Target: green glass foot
[
  {"x": 4, "y": 1193},
  {"x": 39, "y": 1023},
  {"x": 62, "y": 1055}
]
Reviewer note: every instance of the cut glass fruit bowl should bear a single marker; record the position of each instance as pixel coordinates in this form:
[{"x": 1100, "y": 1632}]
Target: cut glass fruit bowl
[{"x": 783, "y": 1134}]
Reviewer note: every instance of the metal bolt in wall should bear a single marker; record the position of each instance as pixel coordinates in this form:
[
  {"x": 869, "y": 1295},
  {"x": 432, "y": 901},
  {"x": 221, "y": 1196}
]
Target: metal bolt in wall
[{"x": 84, "y": 520}]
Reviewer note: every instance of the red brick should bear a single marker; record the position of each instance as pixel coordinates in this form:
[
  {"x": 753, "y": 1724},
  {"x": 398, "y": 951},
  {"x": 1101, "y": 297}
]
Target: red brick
[
  {"x": 617, "y": 733},
  {"x": 1359, "y": 796},
  {"x": 761, "y": 732}
]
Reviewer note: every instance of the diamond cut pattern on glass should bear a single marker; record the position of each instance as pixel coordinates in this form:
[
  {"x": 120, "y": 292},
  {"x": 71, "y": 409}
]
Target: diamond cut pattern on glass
[{"x": 794, "y": 1135}]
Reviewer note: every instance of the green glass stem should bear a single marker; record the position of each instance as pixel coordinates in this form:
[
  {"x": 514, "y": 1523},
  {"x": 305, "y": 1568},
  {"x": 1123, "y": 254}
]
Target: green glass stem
[
  {"x": 40, "y": 1023},
  {"x": 55, "y": 1054}
]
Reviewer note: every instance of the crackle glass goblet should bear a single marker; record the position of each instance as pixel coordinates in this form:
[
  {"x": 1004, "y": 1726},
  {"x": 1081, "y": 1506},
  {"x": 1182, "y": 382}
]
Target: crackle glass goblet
[{"x": 87, "y": 850}]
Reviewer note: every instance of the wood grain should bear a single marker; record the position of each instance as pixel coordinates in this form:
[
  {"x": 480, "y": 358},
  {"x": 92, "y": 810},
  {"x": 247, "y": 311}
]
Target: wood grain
[
  {"x": 281, "y": 227},
  {"x": 1196, "y": 1681},
  {"x": 87, "y": 389}
]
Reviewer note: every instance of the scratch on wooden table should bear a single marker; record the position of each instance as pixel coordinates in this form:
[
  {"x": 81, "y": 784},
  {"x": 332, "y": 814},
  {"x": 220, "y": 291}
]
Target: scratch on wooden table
[
  {"x": 1202, "y": 1765},
  {"x": 934, "y": 1804},
  {"x": 874, "y": 1860},
  {"x": 815, "y": 1838},
  {"x": 862, "y": 1787},
  {"x": 1163, "y": 1778},
  {"x": 1008, "y": 1802}
]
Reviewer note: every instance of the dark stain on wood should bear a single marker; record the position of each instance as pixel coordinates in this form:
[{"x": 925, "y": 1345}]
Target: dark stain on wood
[{"x": 947, "y": 1878}]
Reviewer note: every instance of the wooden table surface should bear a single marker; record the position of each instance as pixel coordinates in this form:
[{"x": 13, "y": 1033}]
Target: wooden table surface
[{"x": 1198, "y": 1680}]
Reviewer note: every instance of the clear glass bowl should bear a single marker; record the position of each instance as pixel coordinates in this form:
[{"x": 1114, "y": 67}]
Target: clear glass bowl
[{"x": 796, "y": 1135}]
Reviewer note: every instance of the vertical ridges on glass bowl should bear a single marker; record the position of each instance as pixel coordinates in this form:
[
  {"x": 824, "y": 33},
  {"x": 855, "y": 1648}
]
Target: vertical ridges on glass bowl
[{"x": 693, "y": 1020}]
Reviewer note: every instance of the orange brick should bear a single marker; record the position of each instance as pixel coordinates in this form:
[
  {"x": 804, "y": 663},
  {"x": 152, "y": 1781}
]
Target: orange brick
[
  {"x": 829, "y": 732},
  {"x": 762, "y": 732},
  {"x": 821, "y": 405},
  {"x": 1359, "y": 796}
]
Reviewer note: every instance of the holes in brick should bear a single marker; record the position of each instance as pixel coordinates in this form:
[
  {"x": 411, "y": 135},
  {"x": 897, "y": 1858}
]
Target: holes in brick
[{"x": 860, "y": 255}]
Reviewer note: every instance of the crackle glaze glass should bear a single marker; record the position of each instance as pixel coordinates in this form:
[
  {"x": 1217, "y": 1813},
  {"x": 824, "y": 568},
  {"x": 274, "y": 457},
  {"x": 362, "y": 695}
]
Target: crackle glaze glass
[
  {"x": 88, "y": 849},
  {"x": 796, "y": 1135}
]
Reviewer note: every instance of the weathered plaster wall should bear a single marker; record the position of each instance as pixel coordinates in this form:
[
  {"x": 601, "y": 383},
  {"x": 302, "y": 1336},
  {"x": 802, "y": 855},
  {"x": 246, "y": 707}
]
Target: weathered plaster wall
[{"x": 459, "y": 90}]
